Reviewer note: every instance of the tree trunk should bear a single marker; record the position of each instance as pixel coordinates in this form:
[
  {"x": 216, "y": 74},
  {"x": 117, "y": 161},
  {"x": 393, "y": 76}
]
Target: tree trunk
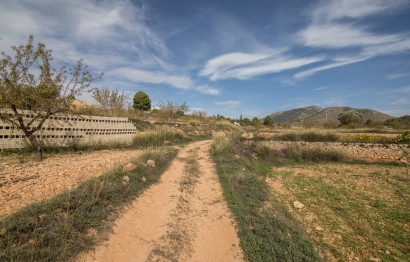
[{"x": 38, "y": 149}]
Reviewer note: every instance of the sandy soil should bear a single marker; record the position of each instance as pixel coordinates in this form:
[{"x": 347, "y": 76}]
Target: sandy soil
[
  {"x": 24, "y": 181},
  {"x": 182, "y": 218}
]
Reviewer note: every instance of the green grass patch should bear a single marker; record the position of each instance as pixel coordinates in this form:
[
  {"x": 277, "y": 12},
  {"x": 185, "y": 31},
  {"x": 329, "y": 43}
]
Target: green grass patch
[
  {"x": 159, "y": 137},
  {"x": 364, "y": 209},
  {"x": 60, "y": 228},
  {"x": 267, "y": 230}
]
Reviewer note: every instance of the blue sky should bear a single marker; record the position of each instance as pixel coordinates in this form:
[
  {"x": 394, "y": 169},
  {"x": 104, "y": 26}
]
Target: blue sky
[{"x": 230, "y": 57}]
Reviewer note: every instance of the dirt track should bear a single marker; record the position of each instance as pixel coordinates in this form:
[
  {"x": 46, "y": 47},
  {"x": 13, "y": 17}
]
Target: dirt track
[{"x": 182, "y": 218}]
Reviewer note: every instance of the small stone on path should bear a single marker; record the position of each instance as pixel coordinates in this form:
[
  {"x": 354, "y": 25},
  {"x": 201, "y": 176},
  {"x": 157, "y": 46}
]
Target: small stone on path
[{"x": 298, "y": 205}]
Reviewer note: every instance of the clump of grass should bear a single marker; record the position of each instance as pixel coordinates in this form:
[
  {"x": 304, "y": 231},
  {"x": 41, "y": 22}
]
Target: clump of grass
[
  {"x": 308, "y": 137},
  {"x": 60, "y": 228},
  {"x": 159, "y": 137},
  {"x": 267, "y": 231},
  {"x": 297, "y": 153}
]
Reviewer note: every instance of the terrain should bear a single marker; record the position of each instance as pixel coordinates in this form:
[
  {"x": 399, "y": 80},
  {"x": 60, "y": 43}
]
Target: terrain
[{"x": 321, "y": 115}]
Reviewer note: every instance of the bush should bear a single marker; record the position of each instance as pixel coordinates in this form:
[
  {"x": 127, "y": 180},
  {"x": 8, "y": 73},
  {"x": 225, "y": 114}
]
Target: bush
[
  {"x": 404, "y": 138},
  {"x": 308, "y": 137}
]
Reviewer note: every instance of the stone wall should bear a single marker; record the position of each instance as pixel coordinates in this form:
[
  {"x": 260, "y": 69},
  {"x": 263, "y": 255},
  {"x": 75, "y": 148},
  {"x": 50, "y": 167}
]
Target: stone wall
[
  {"x": 363, "y": 151},
  {"x": 68, "y": 130}
]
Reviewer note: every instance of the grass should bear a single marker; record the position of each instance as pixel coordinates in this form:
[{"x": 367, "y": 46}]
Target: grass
[
  {"x": 363, "y": 210},
  {"x": 310, "y": 136},
  {"x": 296, "y": 154},
  {"x": 267, "y": 230},
  {"x": 60, "y": 228},
  {"x": 159, "y": 137}
]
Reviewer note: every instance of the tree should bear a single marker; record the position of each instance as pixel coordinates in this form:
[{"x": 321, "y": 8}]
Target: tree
[
  {"x": 268, "y": 121},
  {"x": 28, "y": 82},
  {"x": 173, "y": 109},
  {"x": 110, "y": 101},
  {"x": 256, "y": 122},
  {"x": 350, "y": 117},
  {"x": 141, "y": 101}
]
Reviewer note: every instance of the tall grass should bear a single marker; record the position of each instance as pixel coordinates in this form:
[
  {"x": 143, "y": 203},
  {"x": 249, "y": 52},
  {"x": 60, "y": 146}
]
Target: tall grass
[
  {"x": 60, "y": 228},
  {"x": 297, "y": 153},
  {"x": 159, "y": 137},
  {"x": 267, "y": 231}
]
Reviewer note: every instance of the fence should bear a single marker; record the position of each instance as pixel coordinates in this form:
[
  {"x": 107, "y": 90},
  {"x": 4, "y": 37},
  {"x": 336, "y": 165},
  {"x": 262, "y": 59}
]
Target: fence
[{"x": 66, "y": 130}]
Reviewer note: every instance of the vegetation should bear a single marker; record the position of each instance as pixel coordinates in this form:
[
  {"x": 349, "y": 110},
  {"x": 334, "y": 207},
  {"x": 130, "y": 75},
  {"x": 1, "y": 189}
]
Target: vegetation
[
  {"x": 267, "y": 230},
  {"x": 60, "y": 228},
  {"x": 159, "y": 137},
  {"x": 399, "y": 123},
  {"x": 268, "y": 121},
  {"x": 110, "y": 102},
  {"x": 141, "y": 101},
  {"x": 350, "y": 117},
  {"x": 352, "y": 211},
  {"x": 311, "y": 136},
  {"x": 47, "y": 93},
  {"x": 171, "y": 109}
]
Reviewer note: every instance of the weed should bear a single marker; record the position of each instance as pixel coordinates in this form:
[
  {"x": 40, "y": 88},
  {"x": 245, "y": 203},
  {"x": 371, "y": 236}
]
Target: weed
[
  {"x": 266, "y": 234},
  {"x": 159, "y": 137}
]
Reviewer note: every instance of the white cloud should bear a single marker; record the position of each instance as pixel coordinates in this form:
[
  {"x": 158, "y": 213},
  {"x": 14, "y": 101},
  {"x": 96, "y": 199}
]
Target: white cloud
[
  {"x": 320, "y": 88},
  {"x": 396, "y": 76},
  {"x": 206, "y": 89},
  {"x": 142, "y": 76},
  {"x": 314, "y": 70},
  {"x": 228, "y": 103},
  {"x": 339, "y": 9},
  {"x": 342, "y": 35},
  {"x": 245, "y": 66},
  {"x": 401, "y": 101}
]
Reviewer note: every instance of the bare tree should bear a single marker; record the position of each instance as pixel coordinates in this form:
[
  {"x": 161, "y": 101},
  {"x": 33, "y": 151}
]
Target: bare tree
[
  {"x": 28, "y": 82},
  {"x": 110, "y": 101}
]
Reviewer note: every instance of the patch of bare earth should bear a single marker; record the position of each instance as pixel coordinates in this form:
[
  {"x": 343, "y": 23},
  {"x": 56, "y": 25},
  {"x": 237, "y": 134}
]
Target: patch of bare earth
[
  {"x": 182, "y": 218},
  {"x": 24, "y": 181}
]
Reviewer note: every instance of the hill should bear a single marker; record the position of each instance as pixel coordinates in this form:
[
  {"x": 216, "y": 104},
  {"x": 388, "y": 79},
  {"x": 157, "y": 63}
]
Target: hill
[{"x": 321, "y": 115}]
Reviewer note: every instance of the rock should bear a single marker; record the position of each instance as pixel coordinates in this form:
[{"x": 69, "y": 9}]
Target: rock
[
  {"x": 144, "y": 179},
  {"x": 125, "y": 179},
  {"x": 298, "y": 205},
  {"x": 237, "y": 156},
  {"x": 387, "y": 252},
  {"x": 318, "y": 228},
  {"x": 151, "y": 163},
  {"x": 128, "y": 168},
  {"x": 375, "y": 259}
]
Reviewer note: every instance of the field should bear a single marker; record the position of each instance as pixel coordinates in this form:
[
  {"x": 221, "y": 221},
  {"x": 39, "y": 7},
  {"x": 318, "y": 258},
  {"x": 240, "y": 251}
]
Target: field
[{"x": 287, "y": 196}]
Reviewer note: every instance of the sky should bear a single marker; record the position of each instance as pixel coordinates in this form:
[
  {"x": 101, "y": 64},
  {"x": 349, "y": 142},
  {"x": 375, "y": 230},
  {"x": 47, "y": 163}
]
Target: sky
[{"x": 229, "y": 57}]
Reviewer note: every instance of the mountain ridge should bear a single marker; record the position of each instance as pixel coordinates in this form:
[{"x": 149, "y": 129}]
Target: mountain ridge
[{"x": 322, "y": 115}]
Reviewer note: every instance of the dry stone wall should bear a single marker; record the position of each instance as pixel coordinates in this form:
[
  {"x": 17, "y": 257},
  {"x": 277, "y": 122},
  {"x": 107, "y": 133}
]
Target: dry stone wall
[
  {"x": 69, "y": 130},
  {"x": 364, "y": 151}
]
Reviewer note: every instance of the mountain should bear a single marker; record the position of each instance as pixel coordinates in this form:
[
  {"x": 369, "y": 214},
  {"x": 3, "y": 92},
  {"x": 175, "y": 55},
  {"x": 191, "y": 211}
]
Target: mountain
[{"x": 321, "y": 115}]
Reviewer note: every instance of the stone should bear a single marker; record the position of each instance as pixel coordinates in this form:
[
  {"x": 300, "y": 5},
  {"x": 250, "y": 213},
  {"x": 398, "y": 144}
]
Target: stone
[
  {"x": 151, "y": 163},
  {"x": 298, "y": 205},
  {"x": 318, "y": 228},
  {"x": 144, "y": 179},
  {"x": 125, "y": 179},
  {"x": 375, "y": 259},
  {"x": 92, "y": 232},
  {"x": 128, "y": 168}
]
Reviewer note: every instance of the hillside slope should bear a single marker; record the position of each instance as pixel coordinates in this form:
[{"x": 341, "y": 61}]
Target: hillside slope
[{"x": 321, "y": 115}]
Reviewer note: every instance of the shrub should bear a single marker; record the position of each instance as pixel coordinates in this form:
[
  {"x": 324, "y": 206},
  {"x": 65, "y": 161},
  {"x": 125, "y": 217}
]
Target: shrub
[
  {"x": 159, "y": 137},
  {"x": 404, "y": 138}
]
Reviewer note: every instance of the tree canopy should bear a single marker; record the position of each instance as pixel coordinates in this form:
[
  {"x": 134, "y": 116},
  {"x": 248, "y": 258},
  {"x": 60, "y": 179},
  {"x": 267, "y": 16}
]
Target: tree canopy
[
  {"x": 28, "y": 82},
  {"x": 141, "y": 101},
  {"x": 350, "y": 117},
  {"x": 110, "y": 101}
]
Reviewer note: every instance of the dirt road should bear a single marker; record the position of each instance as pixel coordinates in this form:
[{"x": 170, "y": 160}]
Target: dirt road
[{"x": 182, "y": 218}]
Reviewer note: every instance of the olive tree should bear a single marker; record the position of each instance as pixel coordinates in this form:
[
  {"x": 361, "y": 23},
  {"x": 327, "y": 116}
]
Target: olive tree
[{"x": 28, "y": 82}]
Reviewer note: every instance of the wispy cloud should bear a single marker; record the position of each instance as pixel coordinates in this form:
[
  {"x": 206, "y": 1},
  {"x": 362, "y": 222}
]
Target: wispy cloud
[
  {"x": 228, "y": 103},
  {"x": 206, "y": 89},
  {"x": 320, "y": 88},
  {"x": 246, "y": 66},
  {"x": 333, "y": 27},
  {"x": 396, "y": 76},
  {"x": 401, "y": 101}
]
